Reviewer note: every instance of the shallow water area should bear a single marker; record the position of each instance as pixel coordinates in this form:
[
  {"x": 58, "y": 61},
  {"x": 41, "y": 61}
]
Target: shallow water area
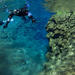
[{"x": 23, "y": 44}]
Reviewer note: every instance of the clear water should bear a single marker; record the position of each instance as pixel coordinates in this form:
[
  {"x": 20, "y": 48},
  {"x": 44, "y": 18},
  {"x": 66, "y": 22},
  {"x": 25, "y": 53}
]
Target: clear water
[{"x": 23, "y": 44}]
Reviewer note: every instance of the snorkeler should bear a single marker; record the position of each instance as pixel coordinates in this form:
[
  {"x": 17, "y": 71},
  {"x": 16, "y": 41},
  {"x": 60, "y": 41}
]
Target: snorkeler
[{"x": 19, "y": 12}]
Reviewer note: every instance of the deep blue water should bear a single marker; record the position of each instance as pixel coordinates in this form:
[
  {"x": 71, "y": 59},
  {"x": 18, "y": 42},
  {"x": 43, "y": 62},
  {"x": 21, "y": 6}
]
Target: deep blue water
[{"x": 26, "y": 43}]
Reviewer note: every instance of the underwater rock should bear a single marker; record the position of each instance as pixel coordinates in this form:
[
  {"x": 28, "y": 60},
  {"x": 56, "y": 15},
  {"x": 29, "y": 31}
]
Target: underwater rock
[{"x": 61, "y": 36}]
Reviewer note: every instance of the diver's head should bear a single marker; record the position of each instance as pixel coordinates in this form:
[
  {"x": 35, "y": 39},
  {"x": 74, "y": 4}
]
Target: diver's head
[{"x": 16, "y": 11}]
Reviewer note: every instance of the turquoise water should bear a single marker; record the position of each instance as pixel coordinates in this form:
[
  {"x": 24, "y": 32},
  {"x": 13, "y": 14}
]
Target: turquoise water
[{"x": 23, "y": 44}]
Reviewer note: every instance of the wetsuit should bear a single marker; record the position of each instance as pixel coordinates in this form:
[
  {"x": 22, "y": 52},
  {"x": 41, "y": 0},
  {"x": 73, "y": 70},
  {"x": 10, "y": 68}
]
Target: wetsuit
[{"x": 22, "y": 13}]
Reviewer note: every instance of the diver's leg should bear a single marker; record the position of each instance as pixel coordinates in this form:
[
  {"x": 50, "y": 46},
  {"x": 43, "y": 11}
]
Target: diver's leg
[
  {"x": 9, "y": 19},
  {"x": 31, "y": 17},
  {"x": 6, "y": 25}
]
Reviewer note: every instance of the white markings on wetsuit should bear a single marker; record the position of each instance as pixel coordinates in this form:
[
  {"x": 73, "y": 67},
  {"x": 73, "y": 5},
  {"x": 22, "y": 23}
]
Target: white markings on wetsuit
[
  {"x": 29, "y": 14},
  {"x": 8, "y": 19},
  {"x": 12, "y": 19}
]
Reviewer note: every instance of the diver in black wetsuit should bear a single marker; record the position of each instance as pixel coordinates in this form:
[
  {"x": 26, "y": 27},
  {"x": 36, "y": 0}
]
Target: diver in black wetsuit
[{"x": 19, "y": 12}]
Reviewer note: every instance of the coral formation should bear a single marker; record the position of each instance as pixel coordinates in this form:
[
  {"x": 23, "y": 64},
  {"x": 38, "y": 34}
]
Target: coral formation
[{"x": 61, "y": 35}]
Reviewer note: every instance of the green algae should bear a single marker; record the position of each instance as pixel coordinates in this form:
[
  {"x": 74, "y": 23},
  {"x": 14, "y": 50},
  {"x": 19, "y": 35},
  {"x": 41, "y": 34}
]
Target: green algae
[
  {"x": 61, "y": 36},
  {"x": 62, "y": 40}
]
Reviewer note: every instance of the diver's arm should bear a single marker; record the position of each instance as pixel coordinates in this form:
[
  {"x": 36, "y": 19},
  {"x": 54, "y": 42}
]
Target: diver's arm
[
  {"x": 31, "y": 17},
  {"x": 9, "y": 19}
]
